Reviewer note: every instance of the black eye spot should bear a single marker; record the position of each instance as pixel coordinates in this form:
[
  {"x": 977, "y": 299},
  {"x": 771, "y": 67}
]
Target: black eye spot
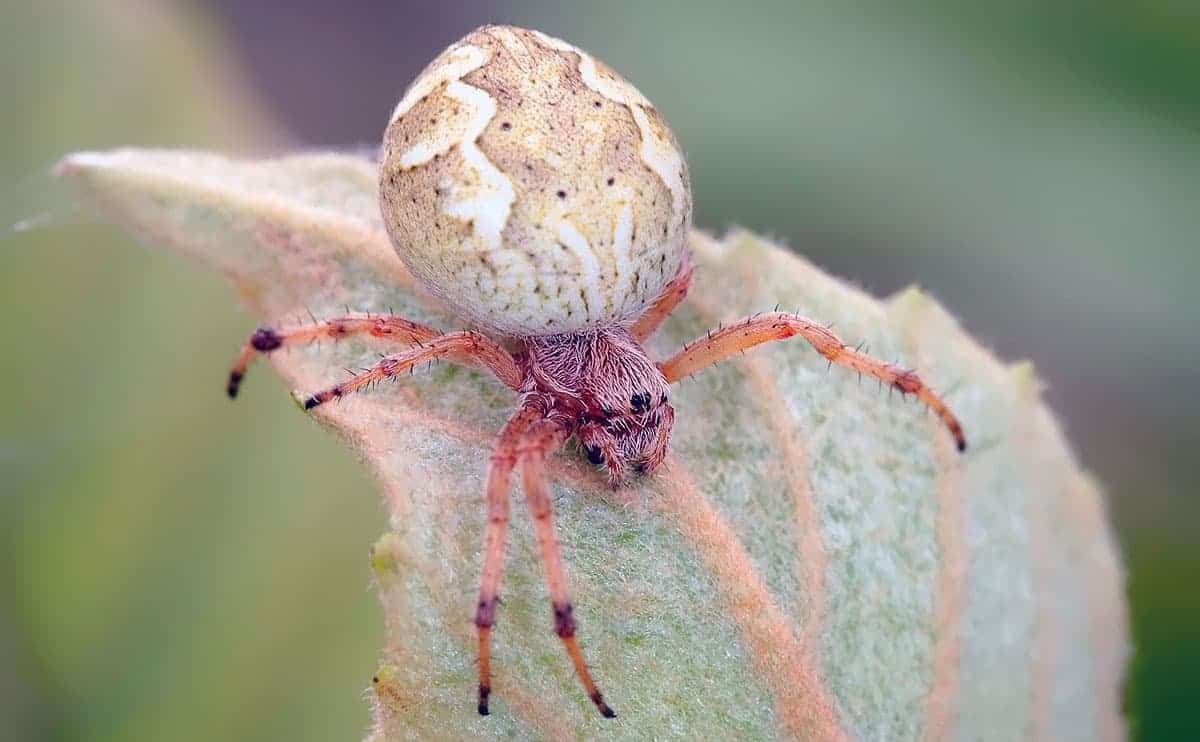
[
  {"x": 640, "y": 402},
  {"x": 610, "y": 181},
  {"x": 664, "y": 398},
  {"x": 594, "y": 455},
  {"x": 596, "y": 103},
  {"x": 505, "y": 126},
  {"x": 561, "y": 194}
]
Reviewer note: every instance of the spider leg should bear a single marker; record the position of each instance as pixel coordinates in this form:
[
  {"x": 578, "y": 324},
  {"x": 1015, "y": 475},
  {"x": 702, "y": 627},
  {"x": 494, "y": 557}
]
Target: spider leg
[
  {"x": 534, "y": 447},
  {"x": 735, "y": 338},
  {"x": 454, "y": 345},
  {"x": 266, "y": 339},
  {"x": 645, "y": 325},
  {"x": 504, "y": 458}
]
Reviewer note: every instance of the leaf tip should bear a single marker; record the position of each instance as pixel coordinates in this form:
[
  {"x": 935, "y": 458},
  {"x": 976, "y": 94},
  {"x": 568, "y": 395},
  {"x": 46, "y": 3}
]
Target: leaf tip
[
  {"x": 911, "y": 298},
  {"x": 75, "y": 163}
]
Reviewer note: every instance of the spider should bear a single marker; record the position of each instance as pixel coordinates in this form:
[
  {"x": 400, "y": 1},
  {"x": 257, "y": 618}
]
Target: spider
[{"x": 542, "y": 198}]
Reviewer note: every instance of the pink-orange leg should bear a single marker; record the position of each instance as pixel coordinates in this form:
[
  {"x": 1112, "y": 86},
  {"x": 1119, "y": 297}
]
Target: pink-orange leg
[
  {"x": 454, "y": 346},
  {"x": 266, "y": 339},
  {"x": 504, "y": 458},
  {"x": 534, "y": 447},
  {"x": 645, "y": 325},
  {"x": 762, "y": 328}
]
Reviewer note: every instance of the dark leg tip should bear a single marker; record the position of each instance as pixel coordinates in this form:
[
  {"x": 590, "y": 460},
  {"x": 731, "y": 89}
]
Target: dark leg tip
[
  {"x": 235, "y": 381},
  {"x": 484, "y": 692},
  {"x": 962, "y": 445},
  {"x": 603, "y": 707},
  {"x": 483, "y": 709}
]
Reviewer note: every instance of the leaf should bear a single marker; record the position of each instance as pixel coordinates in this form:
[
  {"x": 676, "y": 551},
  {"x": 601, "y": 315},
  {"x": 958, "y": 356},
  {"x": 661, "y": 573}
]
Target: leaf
[{"x": 814, "y": 560}]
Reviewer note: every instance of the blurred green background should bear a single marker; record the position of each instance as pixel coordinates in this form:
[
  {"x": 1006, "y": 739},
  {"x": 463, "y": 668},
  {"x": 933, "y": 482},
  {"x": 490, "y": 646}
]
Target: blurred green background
[{"x": 173, "y": 566}]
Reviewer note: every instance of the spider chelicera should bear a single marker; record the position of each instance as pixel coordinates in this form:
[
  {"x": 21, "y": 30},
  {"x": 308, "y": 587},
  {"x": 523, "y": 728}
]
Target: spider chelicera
[{"x": 543, "y": 198}]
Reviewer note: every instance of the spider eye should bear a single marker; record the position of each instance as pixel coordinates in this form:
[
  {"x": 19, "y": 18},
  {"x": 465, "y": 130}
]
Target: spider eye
[
  {"x": 594, "y": 455},
  {"x": 640, "y": 401}
]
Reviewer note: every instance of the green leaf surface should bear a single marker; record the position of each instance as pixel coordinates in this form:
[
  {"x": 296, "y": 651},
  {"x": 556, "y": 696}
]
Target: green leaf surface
[{"x": 814, "y": 560}]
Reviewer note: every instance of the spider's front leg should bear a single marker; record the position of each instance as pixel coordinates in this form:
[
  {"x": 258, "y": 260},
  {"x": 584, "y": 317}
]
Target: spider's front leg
[
  {"x": 503, "y": 460},
  {"x": 527, "y": 438},
  {"x": 267, "y": 339},
  {"x": 747, "y": 333},
  {"x": 535, "y": 446},
  {"x": 464, "y": 347}
]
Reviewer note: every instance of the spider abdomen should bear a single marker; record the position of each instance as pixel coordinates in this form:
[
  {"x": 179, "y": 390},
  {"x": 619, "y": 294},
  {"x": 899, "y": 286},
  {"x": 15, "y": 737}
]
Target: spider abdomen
[{"x": 532, "y": 188}]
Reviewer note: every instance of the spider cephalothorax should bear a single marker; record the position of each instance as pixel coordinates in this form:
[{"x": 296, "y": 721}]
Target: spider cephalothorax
[
  {"x": 608, "y": 392},
  {"x": 542, "y": 198}
]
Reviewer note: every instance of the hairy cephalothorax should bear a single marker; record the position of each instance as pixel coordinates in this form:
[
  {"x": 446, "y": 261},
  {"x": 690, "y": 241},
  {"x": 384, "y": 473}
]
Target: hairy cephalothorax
[
  {"x": 545, "y": 201},
  {"x": 611, "y": 395}
]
